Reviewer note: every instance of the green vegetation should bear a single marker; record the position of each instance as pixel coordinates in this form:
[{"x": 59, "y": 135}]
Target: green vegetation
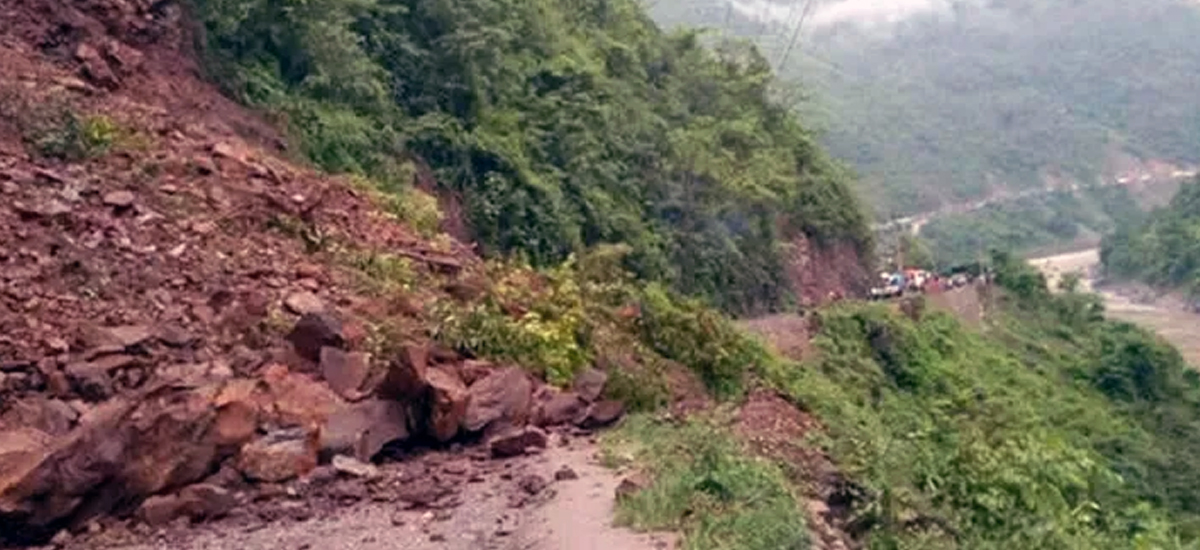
[
  {"x": 566, "y": 127},
  {"x": 1030, "y": 223},
  {"x": 560, "y": 320},
  {"x": 56, "y": 129},
  {"x": 561, "y": 125},
  {"x": 706, "y": 487},
  {"x": 1163, "y": 250},
  {"x": 950, "y": 104},
  {"x": 1054, "y": 428}
]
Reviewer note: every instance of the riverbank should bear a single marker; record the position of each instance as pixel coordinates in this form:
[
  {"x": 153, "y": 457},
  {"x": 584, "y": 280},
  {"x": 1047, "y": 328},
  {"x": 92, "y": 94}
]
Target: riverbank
[{"x": 1163, "y": 314}]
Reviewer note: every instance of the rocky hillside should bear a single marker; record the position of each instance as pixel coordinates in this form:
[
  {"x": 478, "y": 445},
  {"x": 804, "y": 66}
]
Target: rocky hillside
[{"x": 190, "y": 317}]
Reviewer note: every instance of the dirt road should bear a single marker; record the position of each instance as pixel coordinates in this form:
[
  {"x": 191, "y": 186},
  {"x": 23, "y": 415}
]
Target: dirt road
[
  {"x": 1164, "y": 314},
  {"x": 561, "y": 499}
]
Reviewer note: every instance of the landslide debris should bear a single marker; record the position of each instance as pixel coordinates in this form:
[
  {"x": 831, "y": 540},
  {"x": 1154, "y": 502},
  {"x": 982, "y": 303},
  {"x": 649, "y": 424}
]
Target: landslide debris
[{"x": 182, "y": 328}]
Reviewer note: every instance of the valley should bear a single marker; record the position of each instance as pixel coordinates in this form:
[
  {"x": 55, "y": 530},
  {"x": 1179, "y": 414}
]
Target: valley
[{"x": 1166, "y": 315}]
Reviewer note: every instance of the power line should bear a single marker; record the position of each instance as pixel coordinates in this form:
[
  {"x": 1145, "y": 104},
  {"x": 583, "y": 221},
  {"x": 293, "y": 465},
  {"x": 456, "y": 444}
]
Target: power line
[{"x": 795, "y": 34}]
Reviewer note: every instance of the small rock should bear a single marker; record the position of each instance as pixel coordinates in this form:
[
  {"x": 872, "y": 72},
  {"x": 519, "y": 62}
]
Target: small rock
[
  {"x": 48, "y": 415},
  {"x": 160, "y": 509},
  {"x": 532, "y": 484},
  {"x": 52, "y": 208},
  {"x": 565, "y": 474},
  {"x": 631, "y": 485},
  {"x": 354, "y": 467},
  {"x": 398, "y": 519},
  {"x": 95, "y": 68},
  {"x": 304, "y": 303},
  {"x": 602, "y": 414},
  {"x": 205, "y": 501},
  {"x": 175, "y": 336},
  {"x": 119, "y": 199},
  {"x": 61, "y": 539},
  {"x": 437, "y": 537},
  {"x": 321, "y": 475},
  {"x": 90, "y": 381},
  {"x": 204, "y": 166},
  {"x": 515, "y": 441},
  {"x": 589, "y": 384},
  {"x": 314, "y": 331},
  {"x": 279, "y": 456},
  {"x": 422, "y": 492},
  {"x": 123, "y": 336}
]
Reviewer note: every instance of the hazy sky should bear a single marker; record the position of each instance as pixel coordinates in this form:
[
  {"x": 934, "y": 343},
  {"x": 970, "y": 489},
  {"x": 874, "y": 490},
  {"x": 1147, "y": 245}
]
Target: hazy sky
[{"x": 830, "y": 12}]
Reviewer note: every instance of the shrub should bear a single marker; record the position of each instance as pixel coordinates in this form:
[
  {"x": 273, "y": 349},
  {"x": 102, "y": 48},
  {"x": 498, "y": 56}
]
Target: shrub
[
  {"x": 699, "y": 337},
  {"x": 705, "y": 486}
]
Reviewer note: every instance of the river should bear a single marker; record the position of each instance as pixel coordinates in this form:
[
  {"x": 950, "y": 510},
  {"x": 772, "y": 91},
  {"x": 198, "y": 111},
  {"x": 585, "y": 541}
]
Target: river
[{"x": 1165, "y": 315}]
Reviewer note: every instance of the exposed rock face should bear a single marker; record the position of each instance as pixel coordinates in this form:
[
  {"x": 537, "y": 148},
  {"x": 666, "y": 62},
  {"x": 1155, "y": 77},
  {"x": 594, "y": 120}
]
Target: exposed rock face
[{"x": 815, "y": 272}]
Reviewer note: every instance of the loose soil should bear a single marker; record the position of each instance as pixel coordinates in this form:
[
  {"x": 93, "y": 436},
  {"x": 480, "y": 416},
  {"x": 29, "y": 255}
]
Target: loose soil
[{"x": 559, "y": 499}]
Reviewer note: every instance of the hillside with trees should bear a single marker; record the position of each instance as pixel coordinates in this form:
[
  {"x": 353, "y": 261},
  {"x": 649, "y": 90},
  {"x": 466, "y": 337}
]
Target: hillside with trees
[
  {"x": 1042, "y": 222},
  {"x": 953, "y": 100},
  {"x": 1163, "y": 250},
  {"x": 554, "y": 126}
]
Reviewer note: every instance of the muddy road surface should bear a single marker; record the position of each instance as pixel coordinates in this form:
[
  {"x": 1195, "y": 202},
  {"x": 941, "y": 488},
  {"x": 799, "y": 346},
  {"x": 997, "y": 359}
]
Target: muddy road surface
[{"x": 1164, "y": 314}]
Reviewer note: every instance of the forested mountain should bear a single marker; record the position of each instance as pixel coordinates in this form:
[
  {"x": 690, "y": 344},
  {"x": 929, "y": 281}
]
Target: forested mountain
[
  {"x": 559, "y": 125},
  {"x": 1165, "y": 249},
  {"x": 943, "y": 101},
  {"x": 1040, "y": 222}
]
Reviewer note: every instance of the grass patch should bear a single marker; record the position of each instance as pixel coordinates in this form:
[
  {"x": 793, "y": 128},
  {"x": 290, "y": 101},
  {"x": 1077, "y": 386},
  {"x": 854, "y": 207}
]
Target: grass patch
[{"x": 706, "y": 487}]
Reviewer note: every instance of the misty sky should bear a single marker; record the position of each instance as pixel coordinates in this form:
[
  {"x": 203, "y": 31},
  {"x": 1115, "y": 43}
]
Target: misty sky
[{"x": 831, "y": 12}]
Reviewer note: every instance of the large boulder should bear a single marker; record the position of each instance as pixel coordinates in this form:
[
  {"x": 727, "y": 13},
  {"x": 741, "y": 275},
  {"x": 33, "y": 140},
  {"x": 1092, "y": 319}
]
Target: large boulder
[
  {"x": 555, "y": 408},
  {"x": 363, "y": 429},
  {"x": 600, "y": 414},
  {"x": 123, "y": 451},
  {"x": 448, "y": 401},
  {"x": 345, "y": 372},
  {"x": 589, "y": 384},
  {"x": 517, "y": 441},
  {"x": 298, "y": 399},
  {"x": 498, "y": 401},
  {"x": 405, "y": 380},
  {"x": 51, "y": 416}
]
